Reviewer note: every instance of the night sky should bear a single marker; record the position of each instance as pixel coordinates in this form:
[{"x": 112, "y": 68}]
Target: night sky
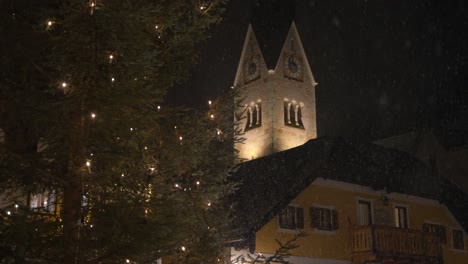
[{"x": 383, "y": 67}]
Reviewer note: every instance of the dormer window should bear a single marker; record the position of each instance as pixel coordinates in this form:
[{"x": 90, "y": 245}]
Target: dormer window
[
  {"x": 293, "y": 113},
  {"x": 254, "y": 115}
]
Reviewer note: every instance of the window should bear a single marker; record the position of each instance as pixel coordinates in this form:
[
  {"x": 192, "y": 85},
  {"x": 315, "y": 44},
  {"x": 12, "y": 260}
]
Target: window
[
  {"x": 293, "y": 113},
  {"x": 364, "y": 213},
  {"x": 457, "y": 237},
  {"x": 324, "y": 218},
  {"x": 401, "y": 217},
  {"x": 43, "y": 201},
  {"x": 439, "y": 230},
  {"x": 292, "y": 218},
  {"x": 254, "y": 115}
]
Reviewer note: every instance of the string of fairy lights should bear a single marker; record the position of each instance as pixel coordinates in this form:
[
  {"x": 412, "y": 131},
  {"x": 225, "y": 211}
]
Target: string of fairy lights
[{"x": 65, "y": 86}]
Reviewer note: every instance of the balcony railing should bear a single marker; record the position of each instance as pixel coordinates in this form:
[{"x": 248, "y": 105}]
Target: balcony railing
[{"x": 377, "y": 242}]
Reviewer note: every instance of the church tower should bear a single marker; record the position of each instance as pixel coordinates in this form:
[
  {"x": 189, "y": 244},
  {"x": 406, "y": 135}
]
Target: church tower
[{"x": 278, "y": 107}]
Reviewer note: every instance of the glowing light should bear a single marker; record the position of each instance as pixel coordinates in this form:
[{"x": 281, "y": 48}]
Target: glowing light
[
  {"x": 156, "y": 27},
  {"x": 152, "y": 169},
  {"x": 183, "y": 248},
  {"x": 111, "y": 57},
  {"x": 159, "y": 107},
  {"x": 127, "y": 260},
  {"x": 64, "y": 84},
  {"x": 131, "y": 129},
  {"x": 180, "y": 138},
  {"x": 212, "y": 116},
  {"x": 88, "y": 163},
  {"x": 16, "y": 206},
  {"x": 93, "y": 115},
  {"x": 49, "y": 24},
  {"x": 209, "y": 203},
  {"x": 8, "y": 213},
  {"x": 198, "y": 182},
  {"x": 113, "y": 79},
  {"x": 92, "y": 4},
  {"x": 146, "y": 148},
  {"x": 202, "y": 7},
  {"x": 176, "y": 185},
  {"x": 209, "y": 102},
  {"x": 123, "y": 175}
]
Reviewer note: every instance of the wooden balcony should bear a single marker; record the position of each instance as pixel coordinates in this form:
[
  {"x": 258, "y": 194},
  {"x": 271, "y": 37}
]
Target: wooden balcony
[{"x": 386, "y": 244}]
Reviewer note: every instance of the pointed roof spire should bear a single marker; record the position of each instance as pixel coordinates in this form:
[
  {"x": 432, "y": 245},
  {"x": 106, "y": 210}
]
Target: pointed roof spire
[
  {"x": 250, "y": 49},
  {"x": 292, "y": 48}
]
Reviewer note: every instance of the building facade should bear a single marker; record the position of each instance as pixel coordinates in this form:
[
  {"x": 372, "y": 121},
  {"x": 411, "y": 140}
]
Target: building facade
[{"x": 350, "y": 223}]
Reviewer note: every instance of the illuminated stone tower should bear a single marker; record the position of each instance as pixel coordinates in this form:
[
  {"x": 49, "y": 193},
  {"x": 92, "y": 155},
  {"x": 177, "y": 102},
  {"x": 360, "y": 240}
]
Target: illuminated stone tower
[{"x": 278, "y": 107}]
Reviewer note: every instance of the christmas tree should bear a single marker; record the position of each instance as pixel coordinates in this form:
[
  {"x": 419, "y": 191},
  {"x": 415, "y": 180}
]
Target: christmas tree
[{"x": 95, "y": 167}]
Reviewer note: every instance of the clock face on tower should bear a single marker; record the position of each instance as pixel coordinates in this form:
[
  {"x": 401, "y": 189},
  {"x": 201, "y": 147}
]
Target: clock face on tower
[
  {"x": 293, "y": 67},
  {"x": 252, "y": 69}
]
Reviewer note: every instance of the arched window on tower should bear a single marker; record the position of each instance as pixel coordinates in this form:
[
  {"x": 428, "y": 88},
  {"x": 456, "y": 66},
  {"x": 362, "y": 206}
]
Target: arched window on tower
[
  {"x": 293, "y": 113},
  {"x": 254, "y": 115}
]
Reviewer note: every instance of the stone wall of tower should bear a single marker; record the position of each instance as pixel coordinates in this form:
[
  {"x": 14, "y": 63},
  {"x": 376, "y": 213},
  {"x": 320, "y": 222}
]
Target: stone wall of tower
[
  {"x": 286, "y": 137},
  {"x": 274, "y": 135},
  {"x": 258, "y": 141}
]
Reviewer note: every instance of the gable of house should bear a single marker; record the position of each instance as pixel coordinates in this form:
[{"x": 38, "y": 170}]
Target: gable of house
[
  {"x": 269, "y": 184},
  {"x": 335, "y": 233}
]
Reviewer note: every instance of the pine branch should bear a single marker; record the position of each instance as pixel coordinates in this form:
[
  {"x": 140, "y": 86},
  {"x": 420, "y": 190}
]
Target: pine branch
[{"x": 282, "y": 252}]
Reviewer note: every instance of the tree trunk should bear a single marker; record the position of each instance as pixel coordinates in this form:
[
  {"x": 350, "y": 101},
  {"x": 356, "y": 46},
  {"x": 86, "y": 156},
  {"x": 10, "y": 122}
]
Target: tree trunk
[
  {"x": 73, "y": 189},
  {"x": 71, "y": 217}
]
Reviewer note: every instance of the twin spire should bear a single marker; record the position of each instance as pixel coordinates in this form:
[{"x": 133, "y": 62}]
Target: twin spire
[{"x": 292, "y": 62}]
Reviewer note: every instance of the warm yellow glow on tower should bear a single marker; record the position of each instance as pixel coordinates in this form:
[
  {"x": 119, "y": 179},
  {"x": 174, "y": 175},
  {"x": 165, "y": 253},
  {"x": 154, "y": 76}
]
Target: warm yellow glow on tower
[{"x": 279, "y": 109}]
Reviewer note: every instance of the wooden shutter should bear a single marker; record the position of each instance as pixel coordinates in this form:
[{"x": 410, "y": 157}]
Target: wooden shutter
[
  {"x": 458, "y": 240},
  {"x": 282, "y": 216},
  {"x": 299, "y": 218},
  {"x": 334, "y": 222},
  {"x": 443, "y": 236},
  {"x": 314, "y": 217}
]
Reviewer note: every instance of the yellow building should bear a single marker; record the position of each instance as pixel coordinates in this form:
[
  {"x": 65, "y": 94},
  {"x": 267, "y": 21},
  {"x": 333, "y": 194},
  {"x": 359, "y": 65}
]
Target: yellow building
[{"x": 323, "y": 189}]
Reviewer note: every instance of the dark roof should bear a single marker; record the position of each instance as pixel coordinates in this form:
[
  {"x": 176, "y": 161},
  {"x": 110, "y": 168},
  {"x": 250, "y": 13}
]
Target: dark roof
[{"x": 268, "y": 184}]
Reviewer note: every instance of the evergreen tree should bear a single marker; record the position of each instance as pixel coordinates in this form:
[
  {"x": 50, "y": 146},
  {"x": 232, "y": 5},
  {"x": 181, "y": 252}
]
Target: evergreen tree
[{"x": 133, "y": 179}]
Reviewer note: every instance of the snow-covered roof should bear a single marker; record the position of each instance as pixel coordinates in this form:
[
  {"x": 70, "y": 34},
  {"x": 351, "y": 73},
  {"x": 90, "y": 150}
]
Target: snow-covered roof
[{"x": 268, "y": 184}]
